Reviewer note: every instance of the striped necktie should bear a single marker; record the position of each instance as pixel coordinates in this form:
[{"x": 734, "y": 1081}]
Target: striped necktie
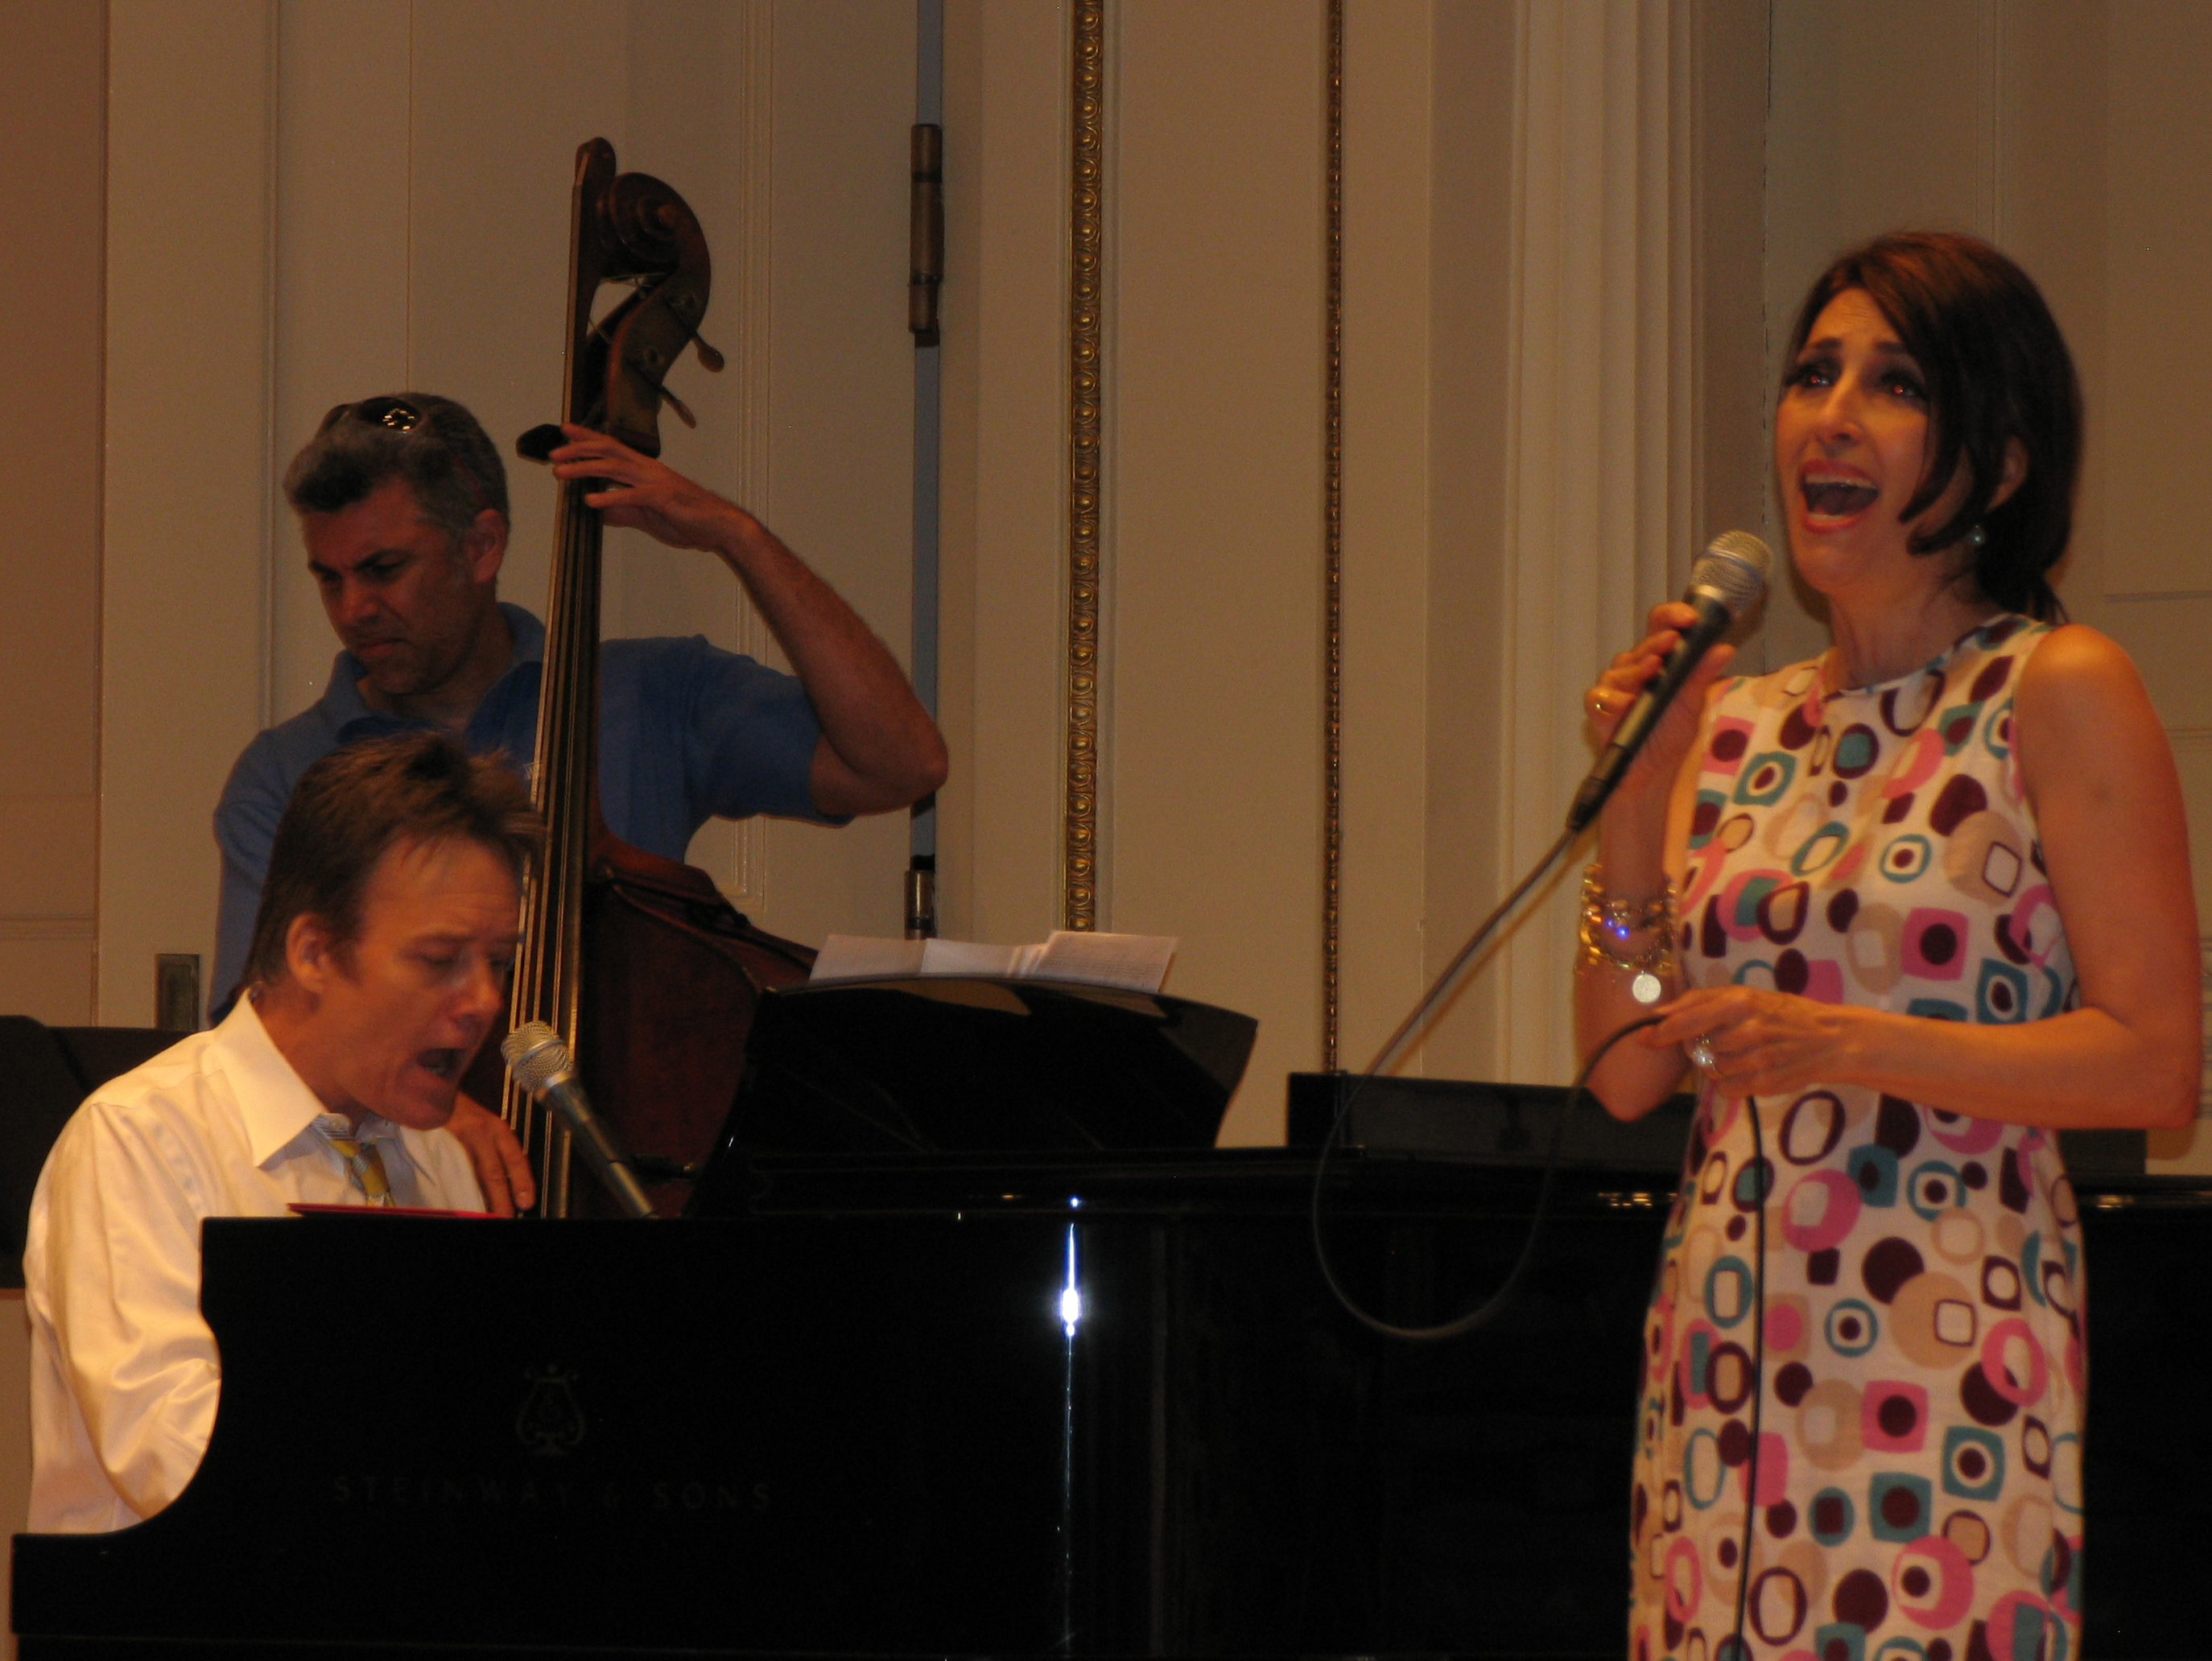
[{"x": 362, "y": 1160}]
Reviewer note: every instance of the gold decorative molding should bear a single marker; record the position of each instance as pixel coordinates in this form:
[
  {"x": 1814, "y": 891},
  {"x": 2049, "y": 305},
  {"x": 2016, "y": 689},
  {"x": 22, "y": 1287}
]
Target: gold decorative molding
[
  {"x": 1332, "y": 836},
  {"x": 1086, "y": 294}
]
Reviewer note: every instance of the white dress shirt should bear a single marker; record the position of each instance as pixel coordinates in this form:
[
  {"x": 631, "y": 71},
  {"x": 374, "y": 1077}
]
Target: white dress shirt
[{"x": 123, "y": 1376}]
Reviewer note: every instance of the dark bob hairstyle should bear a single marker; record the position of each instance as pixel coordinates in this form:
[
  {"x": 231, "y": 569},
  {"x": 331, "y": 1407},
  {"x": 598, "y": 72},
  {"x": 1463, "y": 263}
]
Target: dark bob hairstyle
[{"x": 1997, "y": 370}]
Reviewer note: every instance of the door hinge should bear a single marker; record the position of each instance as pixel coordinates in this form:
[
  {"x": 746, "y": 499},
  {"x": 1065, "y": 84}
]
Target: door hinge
[{"x": 926, "y": 235}]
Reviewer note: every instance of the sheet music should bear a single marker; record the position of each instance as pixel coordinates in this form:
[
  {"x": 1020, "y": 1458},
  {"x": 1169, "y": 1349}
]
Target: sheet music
[
  {"x": 969, "y": 957},
  {"x": 863, "y": 957},
  {"x": 1133, "y": 962}
]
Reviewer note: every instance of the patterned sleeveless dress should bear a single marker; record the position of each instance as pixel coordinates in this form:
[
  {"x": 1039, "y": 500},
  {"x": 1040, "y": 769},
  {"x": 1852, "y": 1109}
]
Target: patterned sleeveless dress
[{"x": 1918, "y": 1468}]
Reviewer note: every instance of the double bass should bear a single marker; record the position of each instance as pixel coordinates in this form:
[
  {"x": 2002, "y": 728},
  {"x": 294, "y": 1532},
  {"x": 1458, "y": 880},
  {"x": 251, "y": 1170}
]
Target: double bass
[{"x": 638, "y": 963}]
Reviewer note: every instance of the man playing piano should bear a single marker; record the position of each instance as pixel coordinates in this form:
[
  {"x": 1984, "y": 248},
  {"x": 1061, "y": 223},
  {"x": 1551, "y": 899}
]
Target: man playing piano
[{"x": 377, "y": 963}]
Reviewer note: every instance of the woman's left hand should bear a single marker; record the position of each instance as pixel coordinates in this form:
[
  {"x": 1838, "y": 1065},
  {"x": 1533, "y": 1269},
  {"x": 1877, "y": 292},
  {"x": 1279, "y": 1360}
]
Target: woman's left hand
[{"x": 1760, "y": 1042}]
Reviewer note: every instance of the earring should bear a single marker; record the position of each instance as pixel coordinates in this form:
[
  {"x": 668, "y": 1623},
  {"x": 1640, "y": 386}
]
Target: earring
[{"x": 1977, "y": 538}]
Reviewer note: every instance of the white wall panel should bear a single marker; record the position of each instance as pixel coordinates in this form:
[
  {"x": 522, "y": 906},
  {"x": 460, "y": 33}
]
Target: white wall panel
[
  {"x": 1390, "y": 373},
  {"x": 1005, "y": 464},
  {"x": 52, "y": 125},
  {"x": 345, "y": 96},
  {"x": 2157, "y": 256},
  {"x": 1597, "y": 478},
  {"x": 47, "y": 969},
  {"x": 1470, "y": 365},
  {"x": 841, "y": 477},
  {"x": 1213, "y": 643},
  {"x": 184, "y": 571}
]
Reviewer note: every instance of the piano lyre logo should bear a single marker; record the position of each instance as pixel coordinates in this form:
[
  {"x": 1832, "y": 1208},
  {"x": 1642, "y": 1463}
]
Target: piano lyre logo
[{"x": 551, "y": 1420}]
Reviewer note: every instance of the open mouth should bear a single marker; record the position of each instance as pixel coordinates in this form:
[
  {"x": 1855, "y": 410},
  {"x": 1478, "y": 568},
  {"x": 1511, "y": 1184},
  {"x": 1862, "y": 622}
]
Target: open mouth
[
  {"x": 441, "y": 1063},
  {"x": 1837, "y": 499}
]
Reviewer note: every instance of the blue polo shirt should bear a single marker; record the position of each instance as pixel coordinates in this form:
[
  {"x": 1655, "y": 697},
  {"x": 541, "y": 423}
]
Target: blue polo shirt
[{"x": 688, "y": 732}]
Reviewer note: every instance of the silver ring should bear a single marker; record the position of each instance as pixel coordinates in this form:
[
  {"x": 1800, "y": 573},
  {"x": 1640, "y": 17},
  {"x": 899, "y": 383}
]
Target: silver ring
[{"x": 1700, "y": 1051}]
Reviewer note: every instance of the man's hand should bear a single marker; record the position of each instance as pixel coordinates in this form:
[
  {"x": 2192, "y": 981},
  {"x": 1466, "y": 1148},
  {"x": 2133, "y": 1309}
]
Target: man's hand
[
  {"x": 502, "y": 1168},
  {"x": 650, "y": 496},
  {"x": 879, "y": 749}
]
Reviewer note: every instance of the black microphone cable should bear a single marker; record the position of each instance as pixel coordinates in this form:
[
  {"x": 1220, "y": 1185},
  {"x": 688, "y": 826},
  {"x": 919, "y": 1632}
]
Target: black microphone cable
[
  {"x": 1387, "y": 1056},
  {"x": 1497, "y": 1303}
]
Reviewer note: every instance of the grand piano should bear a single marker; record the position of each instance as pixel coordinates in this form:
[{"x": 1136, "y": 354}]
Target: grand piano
[{"x": 1072, "y": 1399}]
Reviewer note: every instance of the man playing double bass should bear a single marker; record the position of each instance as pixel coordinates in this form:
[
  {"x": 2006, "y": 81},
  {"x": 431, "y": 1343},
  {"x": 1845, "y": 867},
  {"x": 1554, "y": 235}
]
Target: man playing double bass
[{"x": 403, "y": 506}]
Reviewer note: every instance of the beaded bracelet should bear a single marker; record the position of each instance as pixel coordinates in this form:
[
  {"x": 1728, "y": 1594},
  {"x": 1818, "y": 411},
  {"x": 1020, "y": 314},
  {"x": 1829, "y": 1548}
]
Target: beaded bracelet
[{"x": 1609, "y": 925}]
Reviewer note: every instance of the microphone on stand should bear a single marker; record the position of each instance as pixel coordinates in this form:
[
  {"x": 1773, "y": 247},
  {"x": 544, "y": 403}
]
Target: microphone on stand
[
  {"x": 541, "y": 1066},
  {"x": 1725, "y": 583}
]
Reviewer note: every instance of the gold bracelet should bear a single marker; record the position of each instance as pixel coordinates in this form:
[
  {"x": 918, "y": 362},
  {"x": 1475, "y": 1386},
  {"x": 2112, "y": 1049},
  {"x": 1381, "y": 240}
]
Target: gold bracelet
[{"x": 1609, "y": 924}]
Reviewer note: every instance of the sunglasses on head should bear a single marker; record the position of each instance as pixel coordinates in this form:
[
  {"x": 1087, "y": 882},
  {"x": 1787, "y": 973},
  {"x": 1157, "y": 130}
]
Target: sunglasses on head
[{"x": 397, "y": 414}]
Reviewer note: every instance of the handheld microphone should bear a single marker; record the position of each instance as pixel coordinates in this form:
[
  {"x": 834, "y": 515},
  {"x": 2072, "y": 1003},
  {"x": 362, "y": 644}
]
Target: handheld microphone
[
  {"x": 541, "y": 1066},
  {"x": 1725, "y": 583}
]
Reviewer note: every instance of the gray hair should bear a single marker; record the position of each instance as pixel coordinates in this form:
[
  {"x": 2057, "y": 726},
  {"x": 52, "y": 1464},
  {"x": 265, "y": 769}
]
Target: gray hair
[{"x": 443, "y": 452}]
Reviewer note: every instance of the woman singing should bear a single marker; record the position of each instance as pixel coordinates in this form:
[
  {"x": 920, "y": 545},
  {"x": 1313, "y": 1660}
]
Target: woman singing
[{"x": 1919, "y": 903}]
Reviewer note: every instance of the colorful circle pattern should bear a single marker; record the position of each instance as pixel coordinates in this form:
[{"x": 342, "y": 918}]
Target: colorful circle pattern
[{"x": 1916, "y": 1488}]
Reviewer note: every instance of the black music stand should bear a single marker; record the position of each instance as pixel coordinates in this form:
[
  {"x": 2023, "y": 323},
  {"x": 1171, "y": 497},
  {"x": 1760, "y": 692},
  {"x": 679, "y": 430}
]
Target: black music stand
[{"x": 960, "y": 1065}]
